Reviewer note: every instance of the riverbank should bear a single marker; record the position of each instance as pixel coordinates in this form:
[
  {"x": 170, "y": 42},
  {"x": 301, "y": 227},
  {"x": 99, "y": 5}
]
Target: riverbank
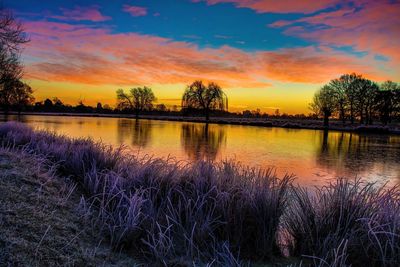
[
  {"x": 223, "y": 214},
  {"x": 39, "y": 221},
  {"x": 310, "y": 124}
]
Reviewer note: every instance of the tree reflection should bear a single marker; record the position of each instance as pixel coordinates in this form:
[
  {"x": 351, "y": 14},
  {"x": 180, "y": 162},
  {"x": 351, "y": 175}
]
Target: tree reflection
[
  {"x": 202, "y": 142},
  {"x": 4, "y": 117},
  {"x": 350, "y": 153},
  {"x": 137, "y": 132}
]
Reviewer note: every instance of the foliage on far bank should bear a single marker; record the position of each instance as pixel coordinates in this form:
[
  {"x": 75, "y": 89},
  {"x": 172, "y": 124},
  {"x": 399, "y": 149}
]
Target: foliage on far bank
[{"x": 353, "y": 98}]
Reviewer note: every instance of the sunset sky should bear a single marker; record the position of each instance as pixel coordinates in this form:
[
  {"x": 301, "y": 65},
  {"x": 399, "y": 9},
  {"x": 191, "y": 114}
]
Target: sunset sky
[{"x": 265, "y": 54}]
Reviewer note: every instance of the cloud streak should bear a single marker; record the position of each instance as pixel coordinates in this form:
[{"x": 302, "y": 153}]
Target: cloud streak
[
  {"x": 372, "y": 27},
  {"x": 82, "y": 54},
  {"x": 281, "y": 6},
  {"x": 91, "y": 13},
  {"x": 135, "y": 11}
]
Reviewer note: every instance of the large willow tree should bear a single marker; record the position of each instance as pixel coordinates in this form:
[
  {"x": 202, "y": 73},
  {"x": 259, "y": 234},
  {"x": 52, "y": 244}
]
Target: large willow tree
[
  {"x": 204, "y": 97},
  {"x": 137, "y": 99}
]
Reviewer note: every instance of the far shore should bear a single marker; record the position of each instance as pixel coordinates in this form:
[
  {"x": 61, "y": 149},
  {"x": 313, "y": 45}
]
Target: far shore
[{"x": 292, "y": 123}]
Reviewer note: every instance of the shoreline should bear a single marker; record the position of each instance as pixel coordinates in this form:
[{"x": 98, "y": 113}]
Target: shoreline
[{"x": 258, "y": 122}]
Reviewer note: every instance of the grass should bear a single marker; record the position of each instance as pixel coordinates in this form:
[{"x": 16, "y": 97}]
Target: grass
[
  {"x": 39, "y": 225},
  {"x": 162, "y": 212},
  {"x": 216, "y": 214},
  {"x": 346, "y": 223}
]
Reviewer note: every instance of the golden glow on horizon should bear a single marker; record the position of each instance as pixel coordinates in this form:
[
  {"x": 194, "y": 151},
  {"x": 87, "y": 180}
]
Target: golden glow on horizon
[{"x": 287, "y": 97}]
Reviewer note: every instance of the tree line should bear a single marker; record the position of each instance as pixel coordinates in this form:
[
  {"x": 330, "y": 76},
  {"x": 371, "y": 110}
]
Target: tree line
[
  {"x": 198, "y": 97},
  {"x": 353, "y": 98},
  {"x": 13, "y": 92}
]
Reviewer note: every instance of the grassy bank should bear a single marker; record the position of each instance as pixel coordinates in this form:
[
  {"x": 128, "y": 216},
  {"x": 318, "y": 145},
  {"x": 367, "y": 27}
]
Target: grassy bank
[
  {"x": 39, "y": 223},
  {"x": 217, "y": 214}
]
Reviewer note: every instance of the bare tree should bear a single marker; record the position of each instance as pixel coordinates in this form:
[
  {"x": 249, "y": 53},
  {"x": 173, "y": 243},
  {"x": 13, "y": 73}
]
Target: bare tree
[
  {"x": 12, "y": 37},
  {"x": 339, "y": 87},
  {"x": 350, "y": 89},
  {"x": 137, "y": 99},
  {"x": 12, "y": 34},
  {"x": 388, "y": 101},
  {"x": 368, "y": 94},
  {"x": 324, "y": 103},
  {"x": 204, "y": 97}
]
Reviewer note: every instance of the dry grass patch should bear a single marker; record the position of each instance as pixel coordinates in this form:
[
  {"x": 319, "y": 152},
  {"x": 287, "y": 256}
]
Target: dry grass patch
[{"x": 39, "y": 224}]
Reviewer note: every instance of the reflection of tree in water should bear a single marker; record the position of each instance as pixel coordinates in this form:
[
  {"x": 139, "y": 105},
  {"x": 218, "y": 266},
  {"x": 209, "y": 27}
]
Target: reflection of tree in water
[
  {"x": 139, "y": 132},
  {"x": 8, "y": 117},
  {"x": 200, "y": 141},
  {"x": 350, "y": 153},
  {"x": 5, "y": 118}
]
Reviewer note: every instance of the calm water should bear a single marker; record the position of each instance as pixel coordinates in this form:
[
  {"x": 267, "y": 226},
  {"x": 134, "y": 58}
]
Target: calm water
[{"x": 313, "y": 156}]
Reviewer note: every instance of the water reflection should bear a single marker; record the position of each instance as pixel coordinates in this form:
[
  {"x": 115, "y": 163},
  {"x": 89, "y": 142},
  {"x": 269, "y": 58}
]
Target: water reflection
[
  {"x": 353, "y": 154},
  {"x": 4, "y": 117},
  {"x": 313, "y": 156},
  {"x": 138, "y": 132},
  {"x": 202, "y": 141},
  {"x": 8, "y": 117}
]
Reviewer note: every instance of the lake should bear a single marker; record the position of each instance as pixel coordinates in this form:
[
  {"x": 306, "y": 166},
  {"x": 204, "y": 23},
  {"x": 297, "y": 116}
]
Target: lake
[{"x": 314, "y": 156}]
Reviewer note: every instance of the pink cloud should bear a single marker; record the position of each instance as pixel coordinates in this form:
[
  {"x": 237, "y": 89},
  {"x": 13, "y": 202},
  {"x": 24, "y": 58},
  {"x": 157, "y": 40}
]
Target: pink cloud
[
  {"x": 372, "y": 28},
  {"x": 281, "y": 6},
  {"x": 135, "y": 11},
  {"x": 82, "y": 13},
  {"x": 81, "y": 54}
]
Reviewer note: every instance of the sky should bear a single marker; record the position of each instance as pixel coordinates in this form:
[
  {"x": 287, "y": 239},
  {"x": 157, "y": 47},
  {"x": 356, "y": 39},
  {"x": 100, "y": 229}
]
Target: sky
[{"x": 265, "y": 54}]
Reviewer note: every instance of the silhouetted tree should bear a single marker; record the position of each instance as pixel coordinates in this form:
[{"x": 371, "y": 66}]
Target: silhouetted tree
[
  {"x": 14, "y": 93},
  {"x": 357, "y": 97},
  {"x": 364, "y": 94},
  {"x": 349, "y": 83},
  {"x": 48, "y": 105},
  {"x": 174, "y": 108},
  {"x": 22, "y": 96},
  {"x": 324, "y": 103},
  {"x": 339, "y": 87},
  {"x": 388, "y": 101},
  {"x": 204, "y": 98},
  {"x": 370, "y": 93},
  {"x": 161, "y": 108},
  {"x": 12, "y": 37},
  {"x": 137, "y": 100},
  {"x": 99, "y": 107},
  {"x": 11, "y": 32}
]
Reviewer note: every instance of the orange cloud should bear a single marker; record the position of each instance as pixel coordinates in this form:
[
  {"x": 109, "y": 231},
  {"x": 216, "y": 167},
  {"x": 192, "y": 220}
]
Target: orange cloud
[
  {"x": 313, "y": 65},
  {"x": 82, "y": 54}
]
